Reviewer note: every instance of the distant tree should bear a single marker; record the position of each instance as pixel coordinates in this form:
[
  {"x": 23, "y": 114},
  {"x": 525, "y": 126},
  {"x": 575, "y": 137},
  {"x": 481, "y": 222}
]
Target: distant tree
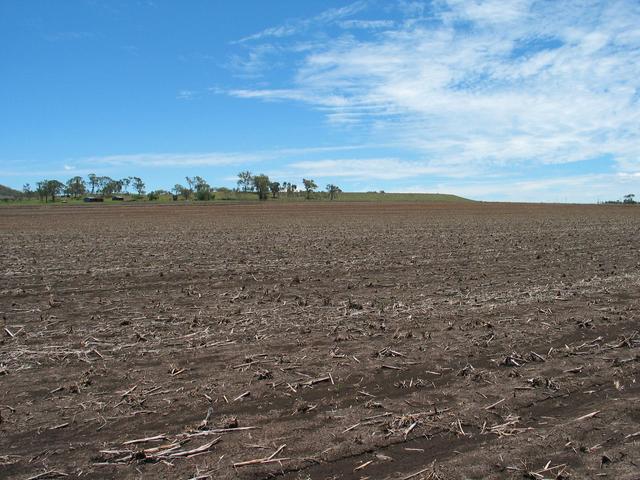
[
  {"x": 245, "y": 181},
  {"x": 76, "y": 187},
  {"x": 50, "y": 188},
  {"x": 138, "y": 185},
  {"x": 109, "y": 186},
  {"x": 275, "y": 188},
  {"x": 197, "y": 180},
  {"x": 191, "y": 183},
  {"x": 104, "y": 185},
  {"x": 203, "y": 189},
  {"x": 125, "y": 182},
  {"x": 26, "y": 189},
  {"x": 93, "y": 181},
  {"x": 180, "y": 190},
  {"x": 154, "y": 195},
  {"x": 41, "y": 190},
  {"x": 55, "y": 188},
  {"x": 629, "y": 199},
  {"x": 186, "y": 192},
  {"x": 261, "y": 184},
  {"x": 333, "y": 191},
  {"x": 309, "y": 186}
]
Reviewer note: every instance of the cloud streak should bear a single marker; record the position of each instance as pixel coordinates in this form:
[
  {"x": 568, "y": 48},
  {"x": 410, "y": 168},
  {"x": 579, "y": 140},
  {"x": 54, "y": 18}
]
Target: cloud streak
[
  {"x": 211, "y": 159},
  {"x": 370, "y": 168},
  {"x": 488, "y": 83},
  {"x": 327, "y": 17}
]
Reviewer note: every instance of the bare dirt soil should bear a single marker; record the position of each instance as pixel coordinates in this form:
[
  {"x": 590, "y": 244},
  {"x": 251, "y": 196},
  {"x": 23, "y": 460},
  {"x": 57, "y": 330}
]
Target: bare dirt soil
[{"x": 320, "y": 341}]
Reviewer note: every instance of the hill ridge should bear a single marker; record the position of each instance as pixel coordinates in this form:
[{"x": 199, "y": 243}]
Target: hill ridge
[{"x": 8, "y": 192}]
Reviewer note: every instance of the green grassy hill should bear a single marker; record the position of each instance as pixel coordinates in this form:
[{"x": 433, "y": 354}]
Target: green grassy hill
[
  {"x": 8, "y": 195},
  {"x": 6, "y": 192},
  {"x": 349, "y": 197},
  {"x": 398, "y": 197}
]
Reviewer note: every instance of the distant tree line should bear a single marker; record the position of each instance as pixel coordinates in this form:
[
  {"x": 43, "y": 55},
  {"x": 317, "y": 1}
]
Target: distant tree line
[
  {"x": 629, "y": 199},
  {"x": 77, "y": 187},
  {"x": 262, "y": 185},
  {"x": 196, "y": 188}
]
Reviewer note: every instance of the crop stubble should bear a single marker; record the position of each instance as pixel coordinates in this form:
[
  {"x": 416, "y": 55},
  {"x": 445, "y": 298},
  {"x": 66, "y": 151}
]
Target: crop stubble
[{"x": 320, "y": 341}]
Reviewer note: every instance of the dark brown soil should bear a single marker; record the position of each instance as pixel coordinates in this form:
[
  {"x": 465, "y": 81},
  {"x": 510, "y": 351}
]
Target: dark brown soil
[{"x": 356, "y": 341}]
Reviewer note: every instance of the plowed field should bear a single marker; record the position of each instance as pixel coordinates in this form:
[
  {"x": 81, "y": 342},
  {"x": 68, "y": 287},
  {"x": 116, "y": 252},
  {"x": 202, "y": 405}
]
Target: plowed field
[{"x": 320, "y": 341}]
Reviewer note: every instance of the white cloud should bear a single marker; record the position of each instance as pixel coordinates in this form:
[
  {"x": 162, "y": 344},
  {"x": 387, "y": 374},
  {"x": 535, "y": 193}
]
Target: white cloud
[
  {"x": 279, "y": 31},
  {"x": 294, "y": 27},
  {"x": 334, "y": 14},
  {"x": 516, "y": 81},
  {"x": 174, "y": 159},
  {"x": 291, "y": 94},
  {"x": 212, "y": 159},
  {"x": 365, "y": 168},
  {"x": 486, "y": 11},
  {"x": 259, "y": 60},
  {"x": 185, "y": 94},
  {"x": 366, "y": 24},
  {"x": 587, "y": 188}
]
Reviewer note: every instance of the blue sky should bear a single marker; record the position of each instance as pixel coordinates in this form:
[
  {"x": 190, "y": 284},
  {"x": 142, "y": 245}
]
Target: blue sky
[{"x": 516, "y": 100}]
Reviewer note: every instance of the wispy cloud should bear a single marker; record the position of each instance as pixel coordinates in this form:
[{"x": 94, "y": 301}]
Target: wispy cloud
[
  {"x": 210, "y": 159},
  {"x": 569, "y": 188},
  {"x": 364, "y": 168},
  {"x": 353, "y": 168},
  {"x": 488, "y": 83},
  {"x": 291, "y": 94},
  {"x": 366, "y": 24},
  {"x": 67, "y": 36},
  {"x": 259, "y": 60},
  {"x": 576, "y": 188},
  {"x": 279, "y": 31},
  {"x": 174, "y": 159},
  {"x": 294, "y": 27},
  {"x": 486, "y": 12},
  {"x": 186, "y": 94}
]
